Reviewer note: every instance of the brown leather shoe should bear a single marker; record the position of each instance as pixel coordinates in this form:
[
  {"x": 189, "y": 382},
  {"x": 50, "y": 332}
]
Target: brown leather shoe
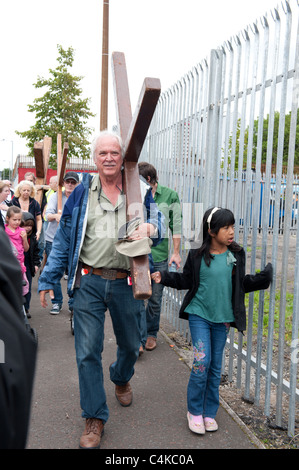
[
  {"x": 91, "y": 437},
  {"x": 151, "y": 343},
  {"x": 124, "y": 394}
]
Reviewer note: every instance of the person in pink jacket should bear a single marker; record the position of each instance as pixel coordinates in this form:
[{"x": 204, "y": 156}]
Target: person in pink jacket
[{"x": 18, "y": 238}]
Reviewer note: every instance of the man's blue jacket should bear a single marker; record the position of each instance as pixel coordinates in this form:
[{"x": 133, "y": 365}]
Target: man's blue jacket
[{"x": 71, "y": 232}]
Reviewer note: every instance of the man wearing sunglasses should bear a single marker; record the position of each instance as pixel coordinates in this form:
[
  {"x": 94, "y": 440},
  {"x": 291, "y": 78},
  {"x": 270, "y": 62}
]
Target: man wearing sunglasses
[{"x": 99, "y": 278}]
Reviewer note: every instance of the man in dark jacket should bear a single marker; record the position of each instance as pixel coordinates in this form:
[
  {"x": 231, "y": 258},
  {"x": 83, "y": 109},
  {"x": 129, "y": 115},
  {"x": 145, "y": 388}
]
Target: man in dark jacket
[{"x": 17, "y": 353}]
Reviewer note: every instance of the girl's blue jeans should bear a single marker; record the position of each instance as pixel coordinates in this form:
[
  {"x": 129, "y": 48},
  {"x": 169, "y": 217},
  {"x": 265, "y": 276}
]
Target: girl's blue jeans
[
  {"x": 94, "y": 297},
  {"x": 208, "y": 339}
]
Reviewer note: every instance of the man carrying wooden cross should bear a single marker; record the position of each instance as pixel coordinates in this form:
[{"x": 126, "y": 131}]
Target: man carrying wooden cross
[{"x": 99, "y": 278}]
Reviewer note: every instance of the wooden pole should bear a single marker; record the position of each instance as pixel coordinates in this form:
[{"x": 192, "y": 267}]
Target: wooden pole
[
  {"x": 59, "y": 187},
  {"x": 61, "y": 164},
  {"x": 42, "y": 152},
  {"x": 105, "y": 53}
]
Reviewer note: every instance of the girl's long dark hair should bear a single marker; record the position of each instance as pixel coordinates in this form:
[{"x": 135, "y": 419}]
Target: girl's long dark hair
[{"x": 220, "y": 218}]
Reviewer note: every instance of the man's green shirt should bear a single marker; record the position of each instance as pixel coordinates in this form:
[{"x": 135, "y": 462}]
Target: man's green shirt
[{"x": 168, "y": 203}]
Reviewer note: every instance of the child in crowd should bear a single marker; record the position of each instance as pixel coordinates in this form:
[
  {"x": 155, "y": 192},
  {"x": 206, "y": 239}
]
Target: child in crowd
[
  {"x": 215, "y": 277},
  {"x": 18, "y": 237},
  {"x": 32, "y": 259}
]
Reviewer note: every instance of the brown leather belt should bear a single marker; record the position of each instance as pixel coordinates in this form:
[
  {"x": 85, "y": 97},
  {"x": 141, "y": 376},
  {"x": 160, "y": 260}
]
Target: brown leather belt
[{"x": 106, "y": 273}]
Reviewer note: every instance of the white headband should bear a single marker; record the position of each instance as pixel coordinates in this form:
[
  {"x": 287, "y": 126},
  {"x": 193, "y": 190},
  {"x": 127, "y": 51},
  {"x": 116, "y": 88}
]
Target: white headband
[{"x": 211, "y": 215}]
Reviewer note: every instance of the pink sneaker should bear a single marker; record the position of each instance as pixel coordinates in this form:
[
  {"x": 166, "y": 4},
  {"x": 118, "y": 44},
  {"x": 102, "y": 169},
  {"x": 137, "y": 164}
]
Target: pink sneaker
[
  {"x": 210, "y": 424},
  {"x": 196, "y": 423}
]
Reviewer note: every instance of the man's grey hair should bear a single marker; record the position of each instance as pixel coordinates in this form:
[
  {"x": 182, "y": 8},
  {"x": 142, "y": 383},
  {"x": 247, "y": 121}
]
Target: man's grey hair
[{"x": 104, "y": 134}]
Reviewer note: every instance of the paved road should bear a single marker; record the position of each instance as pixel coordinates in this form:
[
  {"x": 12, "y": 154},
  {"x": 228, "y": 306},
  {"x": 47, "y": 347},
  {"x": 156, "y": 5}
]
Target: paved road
[{"x": 155, "y": 420}]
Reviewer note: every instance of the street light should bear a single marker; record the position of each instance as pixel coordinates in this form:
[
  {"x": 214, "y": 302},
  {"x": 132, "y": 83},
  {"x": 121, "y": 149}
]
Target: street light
[{"x": 11, "y": 170}]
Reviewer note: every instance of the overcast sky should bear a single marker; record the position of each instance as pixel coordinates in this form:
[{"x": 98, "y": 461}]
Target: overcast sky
[{"x": 160, "y": 38}]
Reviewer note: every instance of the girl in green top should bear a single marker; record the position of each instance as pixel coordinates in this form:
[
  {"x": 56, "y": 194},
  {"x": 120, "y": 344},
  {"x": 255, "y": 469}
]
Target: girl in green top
[{"x": 215, "y": 277}]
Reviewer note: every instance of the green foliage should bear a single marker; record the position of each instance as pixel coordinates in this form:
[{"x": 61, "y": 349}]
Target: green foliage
[
  {"x": 288, "y": 314},
  {"x": 275, "y": 139},
  {"x": 265, "y": 141},
  {"x": 61, "y": 110},
  {"x": 5, "y": 174}
]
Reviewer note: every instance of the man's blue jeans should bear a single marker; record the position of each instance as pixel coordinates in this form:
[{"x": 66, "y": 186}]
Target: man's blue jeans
[
  {"x": 58, "y": 297},
  {"x": 150, "y": 319},
  {"x": 91, "y": 300},
  {"x": 208, "y": 339}
]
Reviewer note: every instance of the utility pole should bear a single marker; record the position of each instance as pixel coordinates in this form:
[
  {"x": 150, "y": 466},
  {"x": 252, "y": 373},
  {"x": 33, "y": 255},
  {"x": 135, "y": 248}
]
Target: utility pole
[{"x": 105, "y": 54}]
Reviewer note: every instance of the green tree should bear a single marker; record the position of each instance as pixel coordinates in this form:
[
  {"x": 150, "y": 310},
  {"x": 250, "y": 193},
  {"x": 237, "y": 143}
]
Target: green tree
[
  {"x": 265, "y": 141},
  {"x": 237, "y": 146},
  {"x": 5, "y": 174},
  {"x": 275, "y": 139},
  {"x": 61, "y": 110}
]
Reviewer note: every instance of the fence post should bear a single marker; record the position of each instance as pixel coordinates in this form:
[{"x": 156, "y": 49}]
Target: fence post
[{"x": 212, "y": 129}]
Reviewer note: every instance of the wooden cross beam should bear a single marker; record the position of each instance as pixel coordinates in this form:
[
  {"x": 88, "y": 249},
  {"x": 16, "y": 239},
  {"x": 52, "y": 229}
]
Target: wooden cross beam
[
  {"x": 42, "y": 152},
  {"x": 61, "y": 164},
  {"x": 133, "y": 131}
]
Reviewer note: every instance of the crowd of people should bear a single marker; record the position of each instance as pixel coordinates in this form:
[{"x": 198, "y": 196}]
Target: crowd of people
[
  {"x": 24, "y": 220},
  {"x": 81, "y": 240}
]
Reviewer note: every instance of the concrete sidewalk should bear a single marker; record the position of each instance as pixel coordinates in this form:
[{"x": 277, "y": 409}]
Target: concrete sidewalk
[{"x": 155, "y": 420}]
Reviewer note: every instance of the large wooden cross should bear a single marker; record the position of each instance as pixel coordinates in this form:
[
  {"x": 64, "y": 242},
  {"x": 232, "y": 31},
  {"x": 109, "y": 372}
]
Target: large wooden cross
[
  {"x": 42, "y": 152},
  {"x": 133, "y": 131}
]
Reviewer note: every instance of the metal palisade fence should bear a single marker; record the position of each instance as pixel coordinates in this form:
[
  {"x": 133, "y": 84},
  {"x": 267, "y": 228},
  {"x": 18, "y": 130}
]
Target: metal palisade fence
[{"x": 226, "y": 134}]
